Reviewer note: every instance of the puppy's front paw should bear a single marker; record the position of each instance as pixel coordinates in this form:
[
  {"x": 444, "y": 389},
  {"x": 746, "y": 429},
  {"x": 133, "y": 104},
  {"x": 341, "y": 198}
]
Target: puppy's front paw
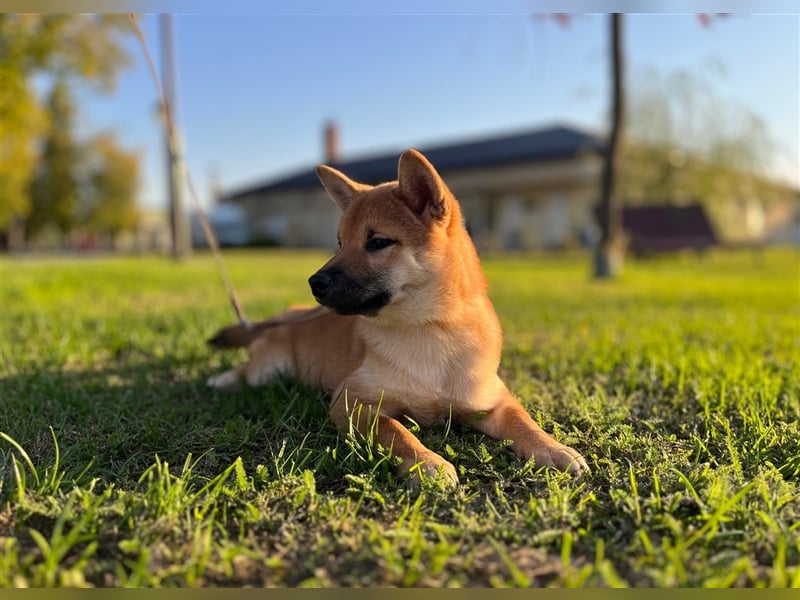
[
  {"x": 563, "y": 458},
  {"x": 225, "y": 381},
  {"x": 433, "y": 467}
]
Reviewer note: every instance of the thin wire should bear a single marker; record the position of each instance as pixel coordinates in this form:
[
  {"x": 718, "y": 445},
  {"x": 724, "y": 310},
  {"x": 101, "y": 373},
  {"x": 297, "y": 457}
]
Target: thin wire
[{"x": 172, "y": 140}]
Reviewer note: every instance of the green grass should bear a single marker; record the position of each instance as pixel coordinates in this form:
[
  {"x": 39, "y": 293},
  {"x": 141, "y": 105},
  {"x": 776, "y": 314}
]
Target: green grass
[{"x": 680, "y": 384}]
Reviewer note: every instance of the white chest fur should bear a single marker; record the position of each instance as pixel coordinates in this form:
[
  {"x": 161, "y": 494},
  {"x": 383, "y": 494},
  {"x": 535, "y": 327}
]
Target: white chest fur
[{"x": 423, "y": 371}]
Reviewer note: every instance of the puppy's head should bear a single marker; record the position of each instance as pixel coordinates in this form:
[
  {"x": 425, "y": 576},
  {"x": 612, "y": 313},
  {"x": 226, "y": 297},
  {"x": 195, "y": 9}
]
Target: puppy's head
[{"x": 393, "y": 239}]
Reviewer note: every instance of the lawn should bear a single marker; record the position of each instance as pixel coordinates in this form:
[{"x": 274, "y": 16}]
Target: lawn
[{"x": 679, "y": 383}]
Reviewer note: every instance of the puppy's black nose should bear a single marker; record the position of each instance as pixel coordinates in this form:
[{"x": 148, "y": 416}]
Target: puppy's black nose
[{"x": 320, "y": 282}]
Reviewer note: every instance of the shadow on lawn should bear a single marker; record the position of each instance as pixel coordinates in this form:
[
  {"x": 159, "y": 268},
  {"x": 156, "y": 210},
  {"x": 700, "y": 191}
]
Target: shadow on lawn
[{"x": 119, "y": 417}]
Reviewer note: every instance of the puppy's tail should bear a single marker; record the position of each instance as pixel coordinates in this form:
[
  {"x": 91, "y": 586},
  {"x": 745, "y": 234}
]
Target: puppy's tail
[
  {"x": 236, "y": 336},
  {"x": 241, "y": 334}
]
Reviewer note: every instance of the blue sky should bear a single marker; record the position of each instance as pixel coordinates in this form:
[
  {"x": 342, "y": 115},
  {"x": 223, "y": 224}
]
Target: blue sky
[{"x": 255, "y": 90}]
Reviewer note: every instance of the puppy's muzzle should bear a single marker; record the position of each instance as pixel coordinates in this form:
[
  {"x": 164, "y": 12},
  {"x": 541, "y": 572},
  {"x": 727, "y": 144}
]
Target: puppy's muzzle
[
  {"x": 348, "y": 295},
  {"x": 320, "y": 283}
]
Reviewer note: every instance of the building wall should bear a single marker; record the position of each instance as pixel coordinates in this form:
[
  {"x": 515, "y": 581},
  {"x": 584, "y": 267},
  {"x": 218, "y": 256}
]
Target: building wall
[
  {"x": 300, "y": 219},
  {"x": 509, "y": 207},
  {"x": 528, "y": 206}
]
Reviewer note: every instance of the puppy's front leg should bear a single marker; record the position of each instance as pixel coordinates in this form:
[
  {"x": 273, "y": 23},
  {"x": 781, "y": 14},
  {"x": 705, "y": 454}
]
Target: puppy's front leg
[
  {"x": 510, "y": 421},
  {"x": 390, "y": 433}
]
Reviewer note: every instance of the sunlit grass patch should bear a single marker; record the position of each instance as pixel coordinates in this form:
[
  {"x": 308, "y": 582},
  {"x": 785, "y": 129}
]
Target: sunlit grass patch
[{"x": 680, "y": 383}]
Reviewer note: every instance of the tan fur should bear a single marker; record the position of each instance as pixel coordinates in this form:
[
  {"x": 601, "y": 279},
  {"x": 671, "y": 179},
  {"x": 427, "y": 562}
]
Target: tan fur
[{"x": 431, "y": 352}]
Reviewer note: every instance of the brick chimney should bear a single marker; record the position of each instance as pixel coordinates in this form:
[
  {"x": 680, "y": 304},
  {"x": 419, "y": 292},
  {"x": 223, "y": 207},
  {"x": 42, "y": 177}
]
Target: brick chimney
[{"x": 331, "y": 143}]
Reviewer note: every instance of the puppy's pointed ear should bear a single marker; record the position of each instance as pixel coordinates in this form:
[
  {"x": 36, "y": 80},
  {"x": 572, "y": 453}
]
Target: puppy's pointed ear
[
  {"x": 421, "y": 186},
  {"x": 339, "y": 186}
]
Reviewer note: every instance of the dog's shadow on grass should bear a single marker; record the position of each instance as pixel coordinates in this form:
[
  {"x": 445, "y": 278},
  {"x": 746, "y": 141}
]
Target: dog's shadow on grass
[{"x": 117, "y": 418}]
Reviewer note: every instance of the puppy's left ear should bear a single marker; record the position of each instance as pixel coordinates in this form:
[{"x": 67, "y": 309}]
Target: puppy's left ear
[
  {"x": 422, "y": 187},
  {"x": 339, "y": 186}
]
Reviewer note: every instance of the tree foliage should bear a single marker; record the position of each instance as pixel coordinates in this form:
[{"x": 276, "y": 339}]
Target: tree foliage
[
  {"x": 21, "y": 121},
  {"x": 54, "y": 190},
  {"x": 85, "y": 46},
  {"x": 64, "y": 47},
  {"x": 688, "y": 141},
  {"x": 112, "y": 182}
]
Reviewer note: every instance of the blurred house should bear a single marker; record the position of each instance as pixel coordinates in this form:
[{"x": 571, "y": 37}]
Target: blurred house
[
  {"x": 152, "y": 234},
  {"x": 525, "y": 190},
  {"x": 228, "y": 222},
  {"x": 786, "y": 231}
]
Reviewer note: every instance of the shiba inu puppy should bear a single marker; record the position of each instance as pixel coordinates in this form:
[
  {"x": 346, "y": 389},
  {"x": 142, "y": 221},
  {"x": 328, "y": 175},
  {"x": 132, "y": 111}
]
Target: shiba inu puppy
[{"x": 405, "y": 327}]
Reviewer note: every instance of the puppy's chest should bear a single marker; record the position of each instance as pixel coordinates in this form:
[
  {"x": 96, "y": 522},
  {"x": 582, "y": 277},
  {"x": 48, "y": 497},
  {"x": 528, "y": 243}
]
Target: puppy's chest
[{"x": 429, "y": 367}]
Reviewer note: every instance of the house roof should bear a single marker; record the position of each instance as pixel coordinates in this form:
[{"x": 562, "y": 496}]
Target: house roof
[{"x": 536, "y": 145}]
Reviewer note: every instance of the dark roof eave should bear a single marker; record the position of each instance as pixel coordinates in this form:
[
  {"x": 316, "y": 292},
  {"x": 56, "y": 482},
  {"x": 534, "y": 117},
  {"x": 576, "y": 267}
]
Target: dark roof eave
[{"x": 541, "y": 145}]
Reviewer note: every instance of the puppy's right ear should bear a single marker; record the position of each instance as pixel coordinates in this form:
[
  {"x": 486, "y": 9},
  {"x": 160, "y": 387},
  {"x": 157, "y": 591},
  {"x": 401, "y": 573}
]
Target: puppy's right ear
[
  {"x": 422, "y": 188},
  {"x": 339, "y": 186}
]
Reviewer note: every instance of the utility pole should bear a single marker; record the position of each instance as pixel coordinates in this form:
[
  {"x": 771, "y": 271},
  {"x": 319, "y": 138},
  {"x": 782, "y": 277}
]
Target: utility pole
[{"x": 178, "y": 219}]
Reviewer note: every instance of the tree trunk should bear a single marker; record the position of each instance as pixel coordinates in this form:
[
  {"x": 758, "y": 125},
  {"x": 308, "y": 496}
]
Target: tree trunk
[
  {"x": 609, "y": 252},
  {"x": 14, "y": 237}
]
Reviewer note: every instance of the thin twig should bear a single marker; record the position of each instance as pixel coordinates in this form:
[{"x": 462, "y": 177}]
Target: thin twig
[{"x": 172, "y": 138}]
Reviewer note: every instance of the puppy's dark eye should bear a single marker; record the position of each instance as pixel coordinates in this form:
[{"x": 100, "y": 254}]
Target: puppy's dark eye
[{"x": 376, "y": 243}]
